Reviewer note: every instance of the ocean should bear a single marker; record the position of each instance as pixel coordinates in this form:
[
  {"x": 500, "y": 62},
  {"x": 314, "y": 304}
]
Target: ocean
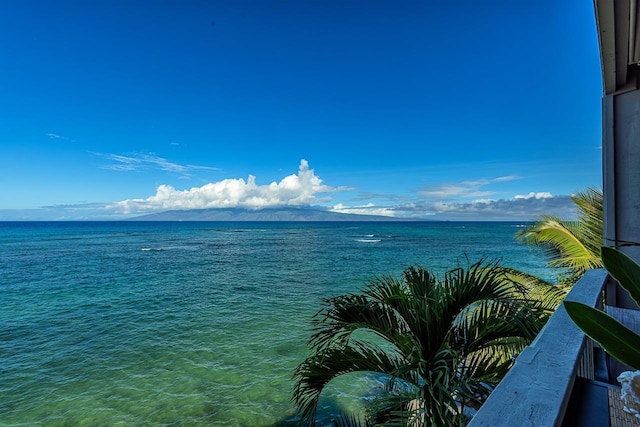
[{"x": 195, "y": 323}]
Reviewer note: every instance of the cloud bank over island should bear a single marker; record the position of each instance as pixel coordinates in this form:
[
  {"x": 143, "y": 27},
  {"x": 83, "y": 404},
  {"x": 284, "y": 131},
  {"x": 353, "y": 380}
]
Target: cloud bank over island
[
  {"x": 517, "y": 208},
  {"x": 302, "y": 189},
  {"x": 468, "y": 200},
  {"x": 471, "y": 200}
]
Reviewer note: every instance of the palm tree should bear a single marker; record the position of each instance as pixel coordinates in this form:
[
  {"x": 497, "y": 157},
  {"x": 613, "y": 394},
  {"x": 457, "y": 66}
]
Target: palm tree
[
  {"x": 440, "y": 343},
  {"x": 571, "y": 245}
]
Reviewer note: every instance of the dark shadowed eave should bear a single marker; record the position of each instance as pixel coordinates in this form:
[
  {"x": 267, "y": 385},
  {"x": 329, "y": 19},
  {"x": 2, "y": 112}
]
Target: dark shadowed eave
[{"x": 618, "y": 24}]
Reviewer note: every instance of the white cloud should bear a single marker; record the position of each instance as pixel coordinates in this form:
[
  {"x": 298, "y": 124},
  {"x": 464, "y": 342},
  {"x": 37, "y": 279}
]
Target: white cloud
[
  {"x": 463, "y": 189},
  {"x": 506, "y": 178},
  {"x": 368, "y": 209},
  {"x": 60, "y": 137},
  {"x": 294, "y": 190},
  {"x": 453, "y": 190},
  {"x": 532, "y": 195}
]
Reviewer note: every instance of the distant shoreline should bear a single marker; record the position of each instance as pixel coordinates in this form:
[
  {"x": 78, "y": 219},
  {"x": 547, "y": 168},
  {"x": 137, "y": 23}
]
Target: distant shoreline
[{"x": 136, "y": 220}]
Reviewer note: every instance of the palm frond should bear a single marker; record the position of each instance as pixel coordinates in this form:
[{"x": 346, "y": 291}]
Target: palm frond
[
  {"x": 482, "y": 280},
  {"x": 539, "y": 294},
  {"x": 345, "y": 314},
  {"x": 313, "y": 374},
  {"x": 590, "y": 216},
  {"x": 392, "y": 408},
  {"x": 467, "y": 287},
  {"x": 483, "y": 370},
  {"x": 489, "y": 334},
  {"x": 561, "y": 242},
  {"x": 421, "y": 282},
  {"x": 412, "y": 298},
  {"x": 445, "y": 385},
  {"x": 346, "y": 420},
  {"x": 571, "y": 244},
  {"x": 452, "y": 338},
  {"x": 484, "y": 322}
]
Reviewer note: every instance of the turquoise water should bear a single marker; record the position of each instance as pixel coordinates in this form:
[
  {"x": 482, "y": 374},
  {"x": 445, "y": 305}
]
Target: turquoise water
[{"x": 131, "y": 323}]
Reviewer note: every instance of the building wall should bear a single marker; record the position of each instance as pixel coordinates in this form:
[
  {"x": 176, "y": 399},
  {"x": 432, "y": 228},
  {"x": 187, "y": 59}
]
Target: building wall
[{"x": 621, "y": 174}]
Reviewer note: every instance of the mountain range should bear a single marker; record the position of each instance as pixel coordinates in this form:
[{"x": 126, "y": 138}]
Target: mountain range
[{"x": 265, "y": 214}]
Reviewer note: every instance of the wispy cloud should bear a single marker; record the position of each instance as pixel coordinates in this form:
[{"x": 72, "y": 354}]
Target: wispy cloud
[
  {"x": 506, "y": 178},
  {"x": 59, "y": 137},
  {"x": 368, "y": 209},
  {"x": 387, "y": 197},
  {"x": 294, "y": 190},
  {"x": 464, "y": 189},
  {"x": 144, "y": 161}
]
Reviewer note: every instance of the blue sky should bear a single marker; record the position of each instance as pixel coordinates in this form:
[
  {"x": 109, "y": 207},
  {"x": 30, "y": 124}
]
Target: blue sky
[{"x": 437, "y": 110}]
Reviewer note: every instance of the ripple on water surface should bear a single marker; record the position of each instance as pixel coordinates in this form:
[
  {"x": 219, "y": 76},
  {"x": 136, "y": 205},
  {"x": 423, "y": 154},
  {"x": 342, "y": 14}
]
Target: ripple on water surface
[{"x": 190, "y": 324}]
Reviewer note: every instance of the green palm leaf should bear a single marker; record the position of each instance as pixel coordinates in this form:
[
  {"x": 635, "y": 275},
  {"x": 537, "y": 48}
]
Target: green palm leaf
[
  {"x": 344, "y": 420},
  {"x": 574, "y": 245},
  {"x": 561, "y": 242},
  {"x": 318, "y": 370},
  {"x": 442, "y": 342},
  {"x": 346, "y": 314},
  {"x": 542, "y": 295},
  {"x": 590, "y": 217}
]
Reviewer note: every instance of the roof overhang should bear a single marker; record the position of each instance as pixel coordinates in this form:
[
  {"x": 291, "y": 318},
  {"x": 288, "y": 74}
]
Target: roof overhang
[{"x": 617, "y": 23}]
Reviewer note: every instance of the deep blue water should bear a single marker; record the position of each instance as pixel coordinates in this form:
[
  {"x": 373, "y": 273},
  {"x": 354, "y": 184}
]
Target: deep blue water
[{"x": 129, "y": 323}]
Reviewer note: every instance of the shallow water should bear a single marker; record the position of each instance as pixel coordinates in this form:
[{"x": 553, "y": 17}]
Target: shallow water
[{"x": 125, "y": 323}]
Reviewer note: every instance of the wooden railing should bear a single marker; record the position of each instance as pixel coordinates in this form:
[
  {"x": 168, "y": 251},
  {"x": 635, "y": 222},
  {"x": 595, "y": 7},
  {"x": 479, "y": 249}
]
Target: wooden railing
[{"x": 536, "y": 391}]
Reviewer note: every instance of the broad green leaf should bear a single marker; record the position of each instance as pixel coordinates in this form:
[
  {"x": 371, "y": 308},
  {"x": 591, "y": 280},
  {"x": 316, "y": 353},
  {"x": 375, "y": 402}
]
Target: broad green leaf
[
  {"x": 625, "y": 270},
  {"x": 617, "y": 340}
]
